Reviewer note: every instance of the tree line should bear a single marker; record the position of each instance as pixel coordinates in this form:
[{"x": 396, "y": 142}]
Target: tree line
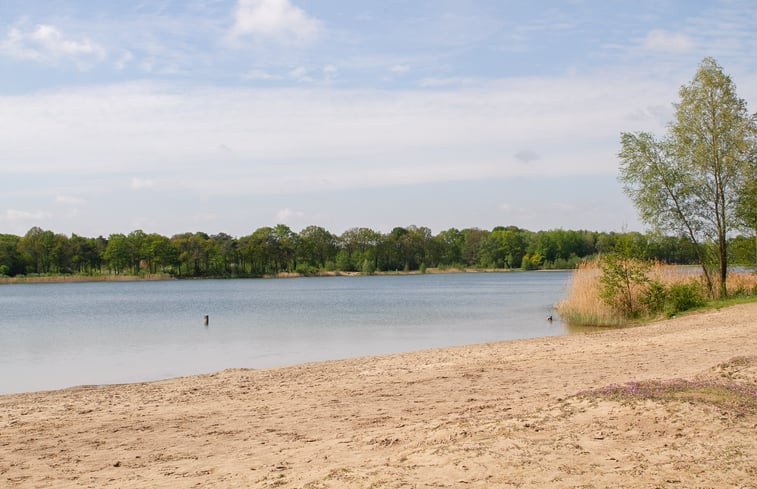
[{"x": 272, "y": 250}]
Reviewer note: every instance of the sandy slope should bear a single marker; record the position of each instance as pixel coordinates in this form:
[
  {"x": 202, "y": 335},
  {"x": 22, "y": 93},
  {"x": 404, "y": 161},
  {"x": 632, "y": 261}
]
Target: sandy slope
[{"x": 494, "y": 415}]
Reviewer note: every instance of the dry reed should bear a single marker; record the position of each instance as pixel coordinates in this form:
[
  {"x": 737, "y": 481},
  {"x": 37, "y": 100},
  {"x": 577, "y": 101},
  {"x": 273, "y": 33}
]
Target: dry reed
[{"x": 583, "y": 304}]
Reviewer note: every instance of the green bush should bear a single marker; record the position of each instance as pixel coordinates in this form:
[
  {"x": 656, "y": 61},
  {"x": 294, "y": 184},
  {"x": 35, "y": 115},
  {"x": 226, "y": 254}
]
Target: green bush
[
  {"x": 367, "y": 268},
  {"x": 621, "y": 279},
  {"x": 654, "y": 297},
  {"x": 682, "y": 297},
  {"x": 307, "y": 270}
]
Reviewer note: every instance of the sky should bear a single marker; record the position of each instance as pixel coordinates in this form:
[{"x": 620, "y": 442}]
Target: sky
[{"x": 178, "y": 116}]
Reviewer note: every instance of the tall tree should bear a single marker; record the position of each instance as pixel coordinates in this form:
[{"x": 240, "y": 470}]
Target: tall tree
[
  {"x": 11, "y": 262},
  {"x": 692, "y": 180},
  {"x": 316, "y": 247}
]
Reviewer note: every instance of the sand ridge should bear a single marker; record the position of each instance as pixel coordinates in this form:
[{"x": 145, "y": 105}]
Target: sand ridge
[{"x": 492, "y": 415}]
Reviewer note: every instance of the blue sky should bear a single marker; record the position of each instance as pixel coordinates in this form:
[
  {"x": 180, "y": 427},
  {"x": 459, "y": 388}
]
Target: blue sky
[{"x": 229, "y": 115}]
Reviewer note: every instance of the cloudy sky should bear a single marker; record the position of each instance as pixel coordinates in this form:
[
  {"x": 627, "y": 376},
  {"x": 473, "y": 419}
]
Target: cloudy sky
[{"x": 228, "y": 115}]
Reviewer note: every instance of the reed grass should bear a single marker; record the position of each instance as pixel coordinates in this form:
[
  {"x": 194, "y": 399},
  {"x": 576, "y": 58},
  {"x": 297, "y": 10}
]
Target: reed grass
[{"x": 584, "y": 306}]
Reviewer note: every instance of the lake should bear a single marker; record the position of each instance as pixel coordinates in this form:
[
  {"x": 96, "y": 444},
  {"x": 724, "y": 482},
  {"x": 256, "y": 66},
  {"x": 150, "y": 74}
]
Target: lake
[{"x": 60, "y": 335}]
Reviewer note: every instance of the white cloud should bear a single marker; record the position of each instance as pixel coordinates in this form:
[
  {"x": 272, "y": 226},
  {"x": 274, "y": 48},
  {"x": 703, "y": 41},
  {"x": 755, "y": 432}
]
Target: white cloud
[
  {"x": 446, "y": 82},
  {"x": 69, "y": 200},
  {"x": 399, "y": 69},
  {"x": 276, "y": 20},
  {"x": 300, "y": 74},
  {"x": 669, "y": 42},
  {"x": 287, "y": 215},
  {"x": 141, "y": 183},
  {"x": 299, "y": 140},
  {"x": 47, "y": 44},
  {"x": 330, "y": 71},
  {"x": 205, "y": 217},
  {"x": 17, "y": 215},
  {"x": 123, "y": 60},
  {"x": 260, "y": 75}
]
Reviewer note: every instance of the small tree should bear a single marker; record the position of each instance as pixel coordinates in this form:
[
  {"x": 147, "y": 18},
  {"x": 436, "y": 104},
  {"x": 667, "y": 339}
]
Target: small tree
[
  {"x": 693, "y": 180},
  {"x": 621, "y": 279}
]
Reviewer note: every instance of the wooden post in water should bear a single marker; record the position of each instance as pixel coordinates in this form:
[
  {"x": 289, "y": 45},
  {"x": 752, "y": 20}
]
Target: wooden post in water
[{"x": 205, "y": 320}]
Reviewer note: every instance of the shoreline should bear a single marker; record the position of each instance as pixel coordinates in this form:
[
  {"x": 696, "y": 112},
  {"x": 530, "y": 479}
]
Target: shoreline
[
  {"x": 161, "y": 277},
  {"x": 503, "y": 414}
]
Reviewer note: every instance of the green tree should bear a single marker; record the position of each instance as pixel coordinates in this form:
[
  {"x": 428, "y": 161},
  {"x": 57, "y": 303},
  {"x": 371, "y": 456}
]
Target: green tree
[
  {"x": 450, "y": 244},
  {"x": 223, "y": 255},
  {"x": 117, "y": 253},
  {"x": 11, "y": 262},
  {"x": 285, "y": 245},
  {"x": 61, "y": 254},
  {"x": 259, "y": 251},
  {"x": 691, "y": 180},
  {"x": 316, "y": 247},
  {"x": 138, "y": 254},
  {"x": 36, "y": 248},
  {"x": 622, "y": 280},
  {"x": 161, "y": 253},
  {"x": 86, "y": 253},
  {"x": 358, "y": 245},
  {"x": 194, "y": 252},
  {"x": 473, "y": 238}
]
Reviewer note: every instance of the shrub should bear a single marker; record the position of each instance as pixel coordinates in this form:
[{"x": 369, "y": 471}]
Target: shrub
[
  {"x": 307, "y": 270},
  {"x": 654, "y": 297},
  {"x": 663, "y": 288},
  {"x": 684, "y": 296},
  {"x": 367, "y": 267},
  {"x": 622, "y": 278}
]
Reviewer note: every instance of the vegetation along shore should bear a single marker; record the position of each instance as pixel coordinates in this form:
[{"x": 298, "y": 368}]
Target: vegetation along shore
[{"x": 269, "y": 251}]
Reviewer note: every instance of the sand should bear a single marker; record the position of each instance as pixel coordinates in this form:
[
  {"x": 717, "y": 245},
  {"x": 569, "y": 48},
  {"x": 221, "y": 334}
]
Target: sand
[{"x": 493, "y": 415}]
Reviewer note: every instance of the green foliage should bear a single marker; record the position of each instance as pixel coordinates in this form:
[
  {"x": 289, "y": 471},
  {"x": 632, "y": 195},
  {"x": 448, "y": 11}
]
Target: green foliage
[
  {"x": 270, "y": 250},
  {"x": 685, "y": 296},
  {"x": 532, "y": 262},
  {"x": 564, "y": 263},
  {"x": 654, "y": 297},
  {"x": 743, "y": 250},
  {"x": 697, "y": 181},
  {"x": 306, "y": 269},
  {"x": 621, "y": 280},
  {"x": 367, "y": 267}
]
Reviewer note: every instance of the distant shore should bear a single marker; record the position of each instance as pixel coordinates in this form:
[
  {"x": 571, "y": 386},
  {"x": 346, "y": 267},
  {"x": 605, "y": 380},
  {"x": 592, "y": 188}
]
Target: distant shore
[
  {"x": 82, "y": 278},
  {"x": 156, "y": 277},
  {"x": 673, "y": 403}
]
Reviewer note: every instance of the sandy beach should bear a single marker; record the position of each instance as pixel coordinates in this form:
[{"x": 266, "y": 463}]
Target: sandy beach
[{"x": 510, "y": 414}]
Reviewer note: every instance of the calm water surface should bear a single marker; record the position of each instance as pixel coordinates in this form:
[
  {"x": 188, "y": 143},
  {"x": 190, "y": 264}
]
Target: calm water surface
[{"x": 60, "y": 335}]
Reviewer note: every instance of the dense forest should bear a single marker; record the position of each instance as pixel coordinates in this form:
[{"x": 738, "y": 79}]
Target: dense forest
[{"x": 272, "y": 250}]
